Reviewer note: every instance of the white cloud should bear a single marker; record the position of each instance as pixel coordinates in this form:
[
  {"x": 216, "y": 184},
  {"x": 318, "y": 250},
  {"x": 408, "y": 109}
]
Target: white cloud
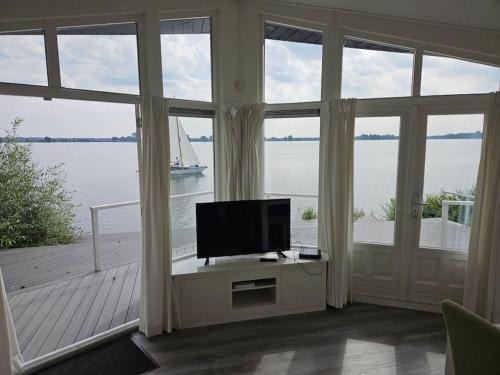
[
  {"x": 99, "y": 62},
  {"x": 442, "y": 76},
  {"x": 22, "y": 59},
  {"x": 292, "y": 72},
  {"x": 374, "y": 74},
  {"x": 186, "y": 65}
]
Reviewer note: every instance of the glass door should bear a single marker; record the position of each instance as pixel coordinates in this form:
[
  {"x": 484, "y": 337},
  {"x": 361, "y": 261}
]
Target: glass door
[
  {"x": 447, "y": 163},
  {"x": 378, "y": 178}
]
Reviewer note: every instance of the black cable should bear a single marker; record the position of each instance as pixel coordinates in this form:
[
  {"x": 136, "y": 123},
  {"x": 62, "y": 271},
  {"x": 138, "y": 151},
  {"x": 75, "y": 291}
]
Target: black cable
[{"x": 301, "y": 247}]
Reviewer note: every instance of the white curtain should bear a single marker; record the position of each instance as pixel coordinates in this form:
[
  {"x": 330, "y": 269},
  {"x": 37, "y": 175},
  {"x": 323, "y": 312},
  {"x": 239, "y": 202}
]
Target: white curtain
[
  {"x": 482, "y": 286},
  {"x": 240, "y": 143},
  {"x": 336, "y": 196},
  {"x": 156, "y": 266},
  {"x": 11, "y": 360}
]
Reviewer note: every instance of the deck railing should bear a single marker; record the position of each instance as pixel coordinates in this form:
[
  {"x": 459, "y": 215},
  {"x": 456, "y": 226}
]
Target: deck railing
[
  {"x": 94, "y": 214},
  {"x": 446, "y": 204},
  {"x": 445, "y": 211}
]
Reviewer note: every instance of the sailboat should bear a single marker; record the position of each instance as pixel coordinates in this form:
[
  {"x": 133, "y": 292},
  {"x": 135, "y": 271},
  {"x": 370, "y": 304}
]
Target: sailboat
[{"x": 184, "y": 160}]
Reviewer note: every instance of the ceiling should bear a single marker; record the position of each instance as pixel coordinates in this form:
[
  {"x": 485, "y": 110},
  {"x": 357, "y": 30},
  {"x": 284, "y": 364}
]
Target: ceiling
[{"x": 478, "y": 14}]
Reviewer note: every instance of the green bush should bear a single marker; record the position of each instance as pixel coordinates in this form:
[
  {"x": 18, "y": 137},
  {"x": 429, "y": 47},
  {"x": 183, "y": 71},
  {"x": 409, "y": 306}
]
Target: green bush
[
  {"x": 309, "y": 214},
  {"x": 389, "y": 209},
  {"x": 35, "y": 208},
  {"x": 357, "y": 214},
  {"x": 432, "y": 206}
]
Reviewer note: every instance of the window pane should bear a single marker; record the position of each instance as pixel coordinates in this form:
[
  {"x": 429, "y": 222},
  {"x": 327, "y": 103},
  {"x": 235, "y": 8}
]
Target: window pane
[
  {"x": 375, "y": 172},
  {"x": 191, "y": 172},
  {"x": 186, "y": 58},
  {"x": 452, "y": 158},
  {"x": 371, "y": 70},
  {"x": 94, "y": 153},
  {"x": 100, "y": 58},
  {"x": 291, "y": 166},
  {"x": 445, "y": 75},
  {"x": 292, "y": 64},
  {"x": 22, "y": 58}
]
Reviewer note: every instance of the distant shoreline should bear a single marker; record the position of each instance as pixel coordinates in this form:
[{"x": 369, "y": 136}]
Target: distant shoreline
[{"x": 132, "y": 139}]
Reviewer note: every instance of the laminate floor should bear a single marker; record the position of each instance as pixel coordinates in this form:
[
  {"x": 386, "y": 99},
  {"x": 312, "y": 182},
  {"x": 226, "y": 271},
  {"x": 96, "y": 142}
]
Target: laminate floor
[{"x": 359, "y": 339}]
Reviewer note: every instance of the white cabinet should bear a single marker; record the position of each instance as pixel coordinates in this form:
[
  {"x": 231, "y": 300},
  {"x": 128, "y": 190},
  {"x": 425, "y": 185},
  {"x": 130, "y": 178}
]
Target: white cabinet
[
  {"x": 303, "y": 291},
  {"x": 247, "y": 289},
  {"x": 203, "y": 299}
]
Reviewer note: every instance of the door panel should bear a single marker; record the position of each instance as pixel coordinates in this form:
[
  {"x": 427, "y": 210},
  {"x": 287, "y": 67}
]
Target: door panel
[{"x": 448, "y": 163}]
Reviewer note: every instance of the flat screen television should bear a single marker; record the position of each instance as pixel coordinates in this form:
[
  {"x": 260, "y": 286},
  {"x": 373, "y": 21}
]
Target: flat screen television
[{"x": 242, "y": 227}]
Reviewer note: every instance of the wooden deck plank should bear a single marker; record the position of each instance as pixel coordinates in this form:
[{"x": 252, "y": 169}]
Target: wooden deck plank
[
  {"x": 70, "y": 334},
  {"x": 37, "y": 320},
  {"x": 45, "y": 328},
  {"x": 14, "y": 300},
  {"x": 111, "y": 301},
  {"x": 133, "y": 310},
  {"x": 22, "y": 322},
  {"x": 90, "y": 321},
  {"x": 124, "y": 301},
  {"x": 28, "y": 297},
  {"x": 64, "y": 319}
]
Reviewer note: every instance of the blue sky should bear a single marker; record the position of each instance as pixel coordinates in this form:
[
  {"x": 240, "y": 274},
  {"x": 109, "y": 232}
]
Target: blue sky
[{"x": 292, "y": 74}]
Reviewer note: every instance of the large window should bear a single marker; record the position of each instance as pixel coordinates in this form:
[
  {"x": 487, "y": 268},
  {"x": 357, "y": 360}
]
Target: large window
[
  {"x": 452, "y": 158},
  {"x": 101, "y": 58},
  {"x": 372, "y": 70},
  {"x": 443, "y": 75},
  {"x": 291, "y": 171},
  {"x": 22, "y": 57},
  {"x": 186, "y": 58},
  {"x": 292, "y": 64},
  {"x": 191, "y": 177},
  {"x": 375, "y": 173}
]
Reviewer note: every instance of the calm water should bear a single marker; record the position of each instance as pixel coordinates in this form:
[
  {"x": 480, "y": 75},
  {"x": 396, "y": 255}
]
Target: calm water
[{"x": 103, "y": 173}]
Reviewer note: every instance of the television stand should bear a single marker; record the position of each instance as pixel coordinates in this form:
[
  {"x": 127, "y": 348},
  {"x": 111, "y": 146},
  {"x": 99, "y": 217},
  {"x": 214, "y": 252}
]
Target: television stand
[
  {"x": 246, "y": 288},
  {"x": 207, "y": 261}
]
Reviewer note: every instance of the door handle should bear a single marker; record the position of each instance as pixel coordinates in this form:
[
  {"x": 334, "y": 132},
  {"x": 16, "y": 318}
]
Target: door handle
[{"x": 415, "y": 204}]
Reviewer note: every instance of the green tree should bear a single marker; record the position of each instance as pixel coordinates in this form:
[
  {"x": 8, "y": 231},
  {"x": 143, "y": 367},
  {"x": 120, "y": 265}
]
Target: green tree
[{"x": 35, "y": 208}]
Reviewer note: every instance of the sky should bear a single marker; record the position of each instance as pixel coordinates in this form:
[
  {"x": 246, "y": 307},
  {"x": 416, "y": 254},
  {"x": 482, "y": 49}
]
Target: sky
[{"x": 292, "y": 74}]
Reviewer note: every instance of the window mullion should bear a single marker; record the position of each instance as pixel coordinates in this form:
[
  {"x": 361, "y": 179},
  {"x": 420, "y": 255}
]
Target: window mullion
[
  {"x": 417, "y": 72},
  {"x": 52, "y": 56}
]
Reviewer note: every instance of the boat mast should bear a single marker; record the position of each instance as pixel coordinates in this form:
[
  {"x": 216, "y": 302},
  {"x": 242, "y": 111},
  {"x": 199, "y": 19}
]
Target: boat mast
[{"x": 179, "y": 139}]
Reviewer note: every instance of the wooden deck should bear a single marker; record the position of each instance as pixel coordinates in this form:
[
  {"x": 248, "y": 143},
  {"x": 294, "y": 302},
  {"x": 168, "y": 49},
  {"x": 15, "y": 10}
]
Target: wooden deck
[{"x": 68, "y": 311}]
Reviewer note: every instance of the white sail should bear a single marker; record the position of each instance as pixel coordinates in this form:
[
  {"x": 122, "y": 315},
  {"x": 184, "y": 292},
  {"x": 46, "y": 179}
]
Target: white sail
[{"x": 180, "y": 147}]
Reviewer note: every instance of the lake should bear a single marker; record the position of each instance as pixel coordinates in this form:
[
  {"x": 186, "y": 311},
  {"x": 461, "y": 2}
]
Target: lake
[{"x": 104, "y": 173}]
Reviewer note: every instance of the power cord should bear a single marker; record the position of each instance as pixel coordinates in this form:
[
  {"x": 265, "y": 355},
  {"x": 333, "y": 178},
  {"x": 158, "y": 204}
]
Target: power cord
[{"x": 301, "y": 247}]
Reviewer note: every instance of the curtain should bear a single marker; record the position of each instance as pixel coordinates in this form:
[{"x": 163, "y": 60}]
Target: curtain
[
  {"x": 336, "y": 196},
  {"x": 11, "y": 360},
  {"x": 482, "y": 284},
  {"x": 156, "y": 266},
  {"x": 241, "y": 150}
]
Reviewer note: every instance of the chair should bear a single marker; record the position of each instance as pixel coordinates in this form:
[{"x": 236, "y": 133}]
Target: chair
[{"x": 474, "y": 342}]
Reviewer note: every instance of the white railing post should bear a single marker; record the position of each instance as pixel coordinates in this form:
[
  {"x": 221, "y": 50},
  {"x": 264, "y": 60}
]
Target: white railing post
[
  {"x": 444, "y": 223},
  {"x": 94, "y": 214},
  {"x": 467, "y": 215}
]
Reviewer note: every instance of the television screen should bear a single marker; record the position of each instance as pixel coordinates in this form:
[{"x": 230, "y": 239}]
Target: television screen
[{"x": 242, "y": 227}]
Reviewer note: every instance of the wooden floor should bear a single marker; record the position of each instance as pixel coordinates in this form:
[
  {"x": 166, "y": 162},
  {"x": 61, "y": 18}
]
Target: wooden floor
[
  {"x": 360, "y": 339},
  {"x": 72, "y": 309}
]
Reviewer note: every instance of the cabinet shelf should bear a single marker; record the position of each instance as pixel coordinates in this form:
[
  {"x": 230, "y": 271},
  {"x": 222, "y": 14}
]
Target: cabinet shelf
[{"x": 240, "y": 286}]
